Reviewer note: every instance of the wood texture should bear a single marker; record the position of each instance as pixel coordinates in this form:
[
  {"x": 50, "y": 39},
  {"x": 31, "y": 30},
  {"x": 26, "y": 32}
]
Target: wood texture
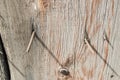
[{"x": 61, "y": 26}]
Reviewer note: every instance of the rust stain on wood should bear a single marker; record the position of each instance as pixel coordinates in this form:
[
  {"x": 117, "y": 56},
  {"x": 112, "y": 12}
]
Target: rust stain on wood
[
  {"x": 87, "y": 15},
  {"x": 96, "y": 29},
  {"x": 100, "y": 76},
  {"x": 84, "y": 70},
  {"x": 95, "y": 4},
  {"x": 113, "y": 7},
  {"x": 58, "y": 49},
  {"x": 80, "y": 54},
  {"x": 89, "y": 73},
  {"x": 43, "y": 4},
  {"x": 90, "y": 20}
]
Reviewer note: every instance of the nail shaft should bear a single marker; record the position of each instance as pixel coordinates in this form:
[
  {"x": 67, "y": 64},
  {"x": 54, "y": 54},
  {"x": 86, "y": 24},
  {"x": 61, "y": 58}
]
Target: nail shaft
[{"x": 30, "y": 42}]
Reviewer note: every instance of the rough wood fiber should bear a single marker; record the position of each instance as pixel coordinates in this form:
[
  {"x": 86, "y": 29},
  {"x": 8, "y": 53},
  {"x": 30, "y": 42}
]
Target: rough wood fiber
[{"x": 62, "y": 24}]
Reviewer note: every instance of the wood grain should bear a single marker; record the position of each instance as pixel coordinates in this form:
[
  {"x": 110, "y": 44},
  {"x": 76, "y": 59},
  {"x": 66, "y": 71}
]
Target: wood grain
[{"x": 61, "y": 25}]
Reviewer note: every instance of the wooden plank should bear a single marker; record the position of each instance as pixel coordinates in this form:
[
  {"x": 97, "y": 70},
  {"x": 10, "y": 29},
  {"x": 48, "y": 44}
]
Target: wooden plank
[{"x": 61, "y": 39}]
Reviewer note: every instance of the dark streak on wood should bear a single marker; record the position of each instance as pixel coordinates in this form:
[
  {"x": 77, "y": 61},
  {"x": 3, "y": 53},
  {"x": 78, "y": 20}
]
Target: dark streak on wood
[
  {"x": 69, "y": 61},
  {"x": 4, "y": 67},
  {"x": 111, "y": 76},
  {"x": 23, "y": 75},
  {"x": 50, "y": 52},
  {"x": 113, "y": 7}
]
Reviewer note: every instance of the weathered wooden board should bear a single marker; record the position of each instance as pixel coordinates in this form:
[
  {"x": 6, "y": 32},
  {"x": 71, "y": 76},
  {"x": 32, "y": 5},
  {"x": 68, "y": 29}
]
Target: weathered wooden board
[{"x": 61, "y": 26}]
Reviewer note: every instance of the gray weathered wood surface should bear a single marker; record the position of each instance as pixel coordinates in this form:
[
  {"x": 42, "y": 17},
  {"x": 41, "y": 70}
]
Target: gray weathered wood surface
[{"x": 61, "y": 28}]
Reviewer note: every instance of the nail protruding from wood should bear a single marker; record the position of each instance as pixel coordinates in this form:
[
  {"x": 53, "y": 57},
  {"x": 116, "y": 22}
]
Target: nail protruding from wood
[{"x": 30, "y": 42}]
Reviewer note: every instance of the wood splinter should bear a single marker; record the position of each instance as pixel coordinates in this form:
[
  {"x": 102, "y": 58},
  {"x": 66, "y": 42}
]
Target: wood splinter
[{"x": 30, "y": 42}]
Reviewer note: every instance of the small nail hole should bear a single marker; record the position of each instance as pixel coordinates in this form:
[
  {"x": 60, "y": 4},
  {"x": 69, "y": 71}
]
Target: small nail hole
[
  {"x": 112, "y": 76},
  {"x": 64, "y": 71}
]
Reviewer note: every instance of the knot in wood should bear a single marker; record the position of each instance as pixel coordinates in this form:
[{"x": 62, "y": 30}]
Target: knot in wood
[{"x": 64, "y": 71}]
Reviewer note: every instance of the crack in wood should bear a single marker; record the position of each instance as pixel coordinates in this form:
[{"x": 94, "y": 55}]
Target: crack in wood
[
  {"x": 87, "y": 41},
  {"x": 4, "y": 63},
  {"x": 105, "y": 37},
  {"x": 50, "y": 52},
  {"x": 16, "y": 67}
]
